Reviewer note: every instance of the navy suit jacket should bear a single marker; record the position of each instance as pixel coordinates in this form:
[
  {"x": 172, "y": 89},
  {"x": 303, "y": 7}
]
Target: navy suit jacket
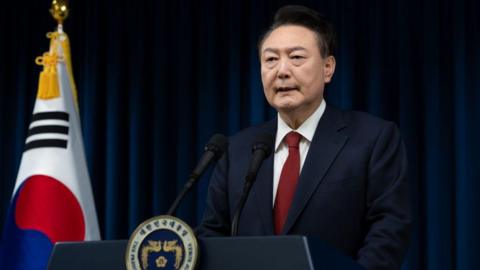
[{"x": 352, "y": 192}]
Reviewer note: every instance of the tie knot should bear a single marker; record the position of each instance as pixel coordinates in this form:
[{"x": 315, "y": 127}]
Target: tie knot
[{"x": 293, "y": 139}]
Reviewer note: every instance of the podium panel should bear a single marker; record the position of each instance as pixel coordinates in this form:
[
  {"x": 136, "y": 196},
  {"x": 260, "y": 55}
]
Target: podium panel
[
  {"x": 89, "y": 255},
  {"x": 273, "y": 252}
]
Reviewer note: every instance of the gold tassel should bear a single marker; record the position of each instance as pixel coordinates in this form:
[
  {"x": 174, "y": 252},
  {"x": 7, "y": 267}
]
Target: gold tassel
[{"x": 48, "y": 83}]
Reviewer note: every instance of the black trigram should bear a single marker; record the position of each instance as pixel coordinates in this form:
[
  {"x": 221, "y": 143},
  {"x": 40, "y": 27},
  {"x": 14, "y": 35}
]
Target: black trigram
[{"x": 60, "y": 126}]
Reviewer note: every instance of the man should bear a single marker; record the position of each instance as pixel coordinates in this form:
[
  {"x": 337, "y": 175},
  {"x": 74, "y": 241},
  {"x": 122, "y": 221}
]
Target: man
[{"x": 336, "y": 175}]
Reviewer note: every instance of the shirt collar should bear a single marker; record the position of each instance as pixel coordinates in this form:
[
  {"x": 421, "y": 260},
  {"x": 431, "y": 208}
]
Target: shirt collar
[{"x": 307, "y": 129}]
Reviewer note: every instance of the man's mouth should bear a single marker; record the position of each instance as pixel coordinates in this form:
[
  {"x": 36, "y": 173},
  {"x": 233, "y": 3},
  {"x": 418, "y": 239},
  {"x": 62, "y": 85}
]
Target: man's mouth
[{"x": 285, "y": 89}]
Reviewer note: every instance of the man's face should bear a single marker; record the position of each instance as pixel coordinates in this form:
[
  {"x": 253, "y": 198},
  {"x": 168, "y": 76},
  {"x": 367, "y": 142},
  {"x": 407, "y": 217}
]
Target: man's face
[{"x": 293, "y": 71}]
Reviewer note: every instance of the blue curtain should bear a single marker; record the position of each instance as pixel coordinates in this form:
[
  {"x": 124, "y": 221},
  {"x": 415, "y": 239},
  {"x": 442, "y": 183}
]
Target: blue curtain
[{"x": 157, "y": 78}]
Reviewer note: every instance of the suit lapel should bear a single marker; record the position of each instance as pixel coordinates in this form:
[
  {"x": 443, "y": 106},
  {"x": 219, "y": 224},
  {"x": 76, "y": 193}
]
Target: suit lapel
[
  {"x": 326, "y": 144},
  {"x": 262, "y": 189}
]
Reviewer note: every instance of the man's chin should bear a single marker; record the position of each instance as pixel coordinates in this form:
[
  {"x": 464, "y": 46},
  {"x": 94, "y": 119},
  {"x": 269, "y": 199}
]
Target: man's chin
[
  {"x": 286, "y": 103},
  {"x": 287, "y": 107}
]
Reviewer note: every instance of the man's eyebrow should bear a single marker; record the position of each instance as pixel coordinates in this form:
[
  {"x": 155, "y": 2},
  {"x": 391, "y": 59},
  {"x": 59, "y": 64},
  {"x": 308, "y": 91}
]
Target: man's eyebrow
[
  {"x": 270, "y": 50},
  {"x": 296, "y": 48},
  {"x": 289, "y": 50}
]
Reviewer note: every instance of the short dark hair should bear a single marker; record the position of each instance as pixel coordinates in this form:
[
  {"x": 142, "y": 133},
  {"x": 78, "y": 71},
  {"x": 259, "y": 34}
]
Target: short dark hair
[{"x": 309, "y": 18}]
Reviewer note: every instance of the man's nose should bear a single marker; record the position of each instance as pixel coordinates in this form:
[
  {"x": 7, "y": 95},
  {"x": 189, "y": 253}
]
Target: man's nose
[{"x": 283, "y": 70}]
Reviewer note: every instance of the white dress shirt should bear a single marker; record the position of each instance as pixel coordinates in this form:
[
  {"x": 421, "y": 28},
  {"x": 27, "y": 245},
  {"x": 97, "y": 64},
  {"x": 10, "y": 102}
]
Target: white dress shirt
[{"x": 307, "y": 130}]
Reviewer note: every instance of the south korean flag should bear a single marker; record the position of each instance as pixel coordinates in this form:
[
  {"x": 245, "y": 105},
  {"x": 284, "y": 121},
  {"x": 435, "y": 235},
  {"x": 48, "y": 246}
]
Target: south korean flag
[{"x": 52, "y": 200}]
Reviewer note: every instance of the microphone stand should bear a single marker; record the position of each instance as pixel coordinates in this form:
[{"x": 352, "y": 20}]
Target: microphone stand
[
  {"x": 261, "y": 150},
  {"x": 249, "y": 180},
  {"x": 213, "y": 151},
  {"x": 191, "y": 180}
]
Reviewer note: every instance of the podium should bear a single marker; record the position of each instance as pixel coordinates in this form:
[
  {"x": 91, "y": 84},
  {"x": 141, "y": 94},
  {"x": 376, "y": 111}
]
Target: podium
[{"x": 268, "y": 252}]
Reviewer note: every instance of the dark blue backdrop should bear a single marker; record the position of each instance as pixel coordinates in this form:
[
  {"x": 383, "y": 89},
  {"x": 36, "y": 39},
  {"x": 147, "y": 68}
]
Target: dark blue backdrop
[{"x": 157, "y": 78}]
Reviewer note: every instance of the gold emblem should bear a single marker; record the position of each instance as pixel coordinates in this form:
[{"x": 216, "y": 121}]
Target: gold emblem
[
  {"x": 172, "y": 246},
  {"x": 161, "y": 262},
  {"x": 158, "y": 239},
  {"x": 153, "y": 246},
  {"x": 156, "y": 246}
]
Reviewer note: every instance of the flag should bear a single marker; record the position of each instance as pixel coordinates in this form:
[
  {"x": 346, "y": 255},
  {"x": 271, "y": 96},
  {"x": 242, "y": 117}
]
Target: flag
[{"x": 52, "y": 199}]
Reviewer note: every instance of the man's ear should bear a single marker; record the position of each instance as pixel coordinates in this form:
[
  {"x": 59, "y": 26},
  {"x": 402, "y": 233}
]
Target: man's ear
[{"x": 329, "y": 68}]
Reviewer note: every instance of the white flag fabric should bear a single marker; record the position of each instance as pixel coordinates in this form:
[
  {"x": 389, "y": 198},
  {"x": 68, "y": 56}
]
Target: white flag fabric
[{"x": 52, "y": 200}]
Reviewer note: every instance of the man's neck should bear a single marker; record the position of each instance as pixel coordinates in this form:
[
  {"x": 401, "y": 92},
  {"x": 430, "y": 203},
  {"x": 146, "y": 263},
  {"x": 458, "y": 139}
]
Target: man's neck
[{"x": 295, "y": 118}]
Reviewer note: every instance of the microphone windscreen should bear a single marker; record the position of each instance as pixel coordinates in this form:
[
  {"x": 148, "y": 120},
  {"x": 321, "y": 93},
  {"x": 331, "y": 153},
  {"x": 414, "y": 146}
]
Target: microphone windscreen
[
  {"x": 263, "y": 142},
  {"x": 218, "y": 143}
]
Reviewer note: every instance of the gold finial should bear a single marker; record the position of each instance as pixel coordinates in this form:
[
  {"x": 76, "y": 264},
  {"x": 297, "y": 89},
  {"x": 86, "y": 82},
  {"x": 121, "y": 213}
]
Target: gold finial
[{"x": 59, "y": 10}]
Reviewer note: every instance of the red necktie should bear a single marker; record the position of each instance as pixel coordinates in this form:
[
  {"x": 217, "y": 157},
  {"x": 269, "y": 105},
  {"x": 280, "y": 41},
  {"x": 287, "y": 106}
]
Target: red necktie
[{"x": 288, "y": 181}]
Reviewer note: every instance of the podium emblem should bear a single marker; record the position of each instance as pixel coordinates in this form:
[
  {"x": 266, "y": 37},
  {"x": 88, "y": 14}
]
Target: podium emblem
[{"x": 162, "y": 242}]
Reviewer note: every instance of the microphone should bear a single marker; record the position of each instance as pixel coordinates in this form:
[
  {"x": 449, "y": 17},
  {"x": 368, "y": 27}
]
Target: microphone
[
  {"x": 261, "y": 149},
  {"x": 214, "y": 149}
]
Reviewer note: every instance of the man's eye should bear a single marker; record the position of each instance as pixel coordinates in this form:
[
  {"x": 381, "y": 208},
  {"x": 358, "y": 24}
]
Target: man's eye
[
  {"x": 270, "y": 59},
  {"x": 296, "y": 57}
]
